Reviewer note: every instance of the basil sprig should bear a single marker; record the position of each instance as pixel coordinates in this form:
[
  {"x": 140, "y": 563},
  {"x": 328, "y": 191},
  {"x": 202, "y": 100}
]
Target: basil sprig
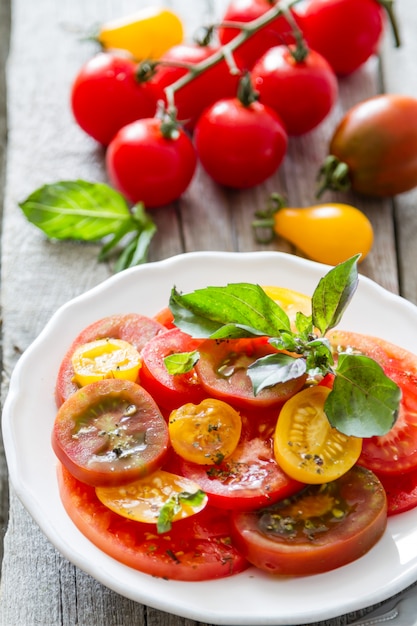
[
  {"x": 363, "y": 402},
  {"x": 86, "y": 211},
  {"x": 173, "y": 505}
]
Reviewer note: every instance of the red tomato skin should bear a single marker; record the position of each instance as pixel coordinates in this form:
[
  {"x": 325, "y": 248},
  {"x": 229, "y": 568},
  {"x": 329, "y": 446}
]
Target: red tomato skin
[
  {"x": 240, "y": 146},
  {"x": 377, "y": 138},
  {"x": 395, "y": 453},
  {"x": 197, "y": 548},
  {"x": 302, "y": 93},
  {"x": 85, "y": 455},
  {"x": 401, "y": 490},
  {"x": 250, "y": 478},
  {"x": 204, "y": 90},
  {"x": 236, "y": 389},
  {"x": 169, "y": 391},
  {"x": 346, "y": 32},
  {"x": 131, "y": 327},
  {"x": 105, "y": 96},
  {"x": 276, "y": 32},
  {"x": 147, "y": 167},
  {"x": 345, "y": 542}
]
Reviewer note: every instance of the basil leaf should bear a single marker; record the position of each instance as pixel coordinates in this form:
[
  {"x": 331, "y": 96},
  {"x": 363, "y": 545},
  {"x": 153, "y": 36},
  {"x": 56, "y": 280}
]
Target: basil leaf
[
  {"x": 181, "y": 362},
  {"x": 77, "y": 210},
  {"x": 333, "y": 294},
  {"x": 173, "y": 506},
  {"x": 364, "y": 402},
  {"x": 273, "y": 369},
  {"x": 245, "y": 308}
]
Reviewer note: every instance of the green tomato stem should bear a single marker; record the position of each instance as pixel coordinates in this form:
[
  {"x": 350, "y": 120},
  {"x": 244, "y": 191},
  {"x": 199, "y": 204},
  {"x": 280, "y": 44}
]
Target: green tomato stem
[
  {"x": 388, "y": 5},
  {"x": 333, "y": 176}
]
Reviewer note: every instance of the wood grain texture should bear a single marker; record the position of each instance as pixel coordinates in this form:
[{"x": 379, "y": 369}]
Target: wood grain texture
[{"x": 38, "y": 586}]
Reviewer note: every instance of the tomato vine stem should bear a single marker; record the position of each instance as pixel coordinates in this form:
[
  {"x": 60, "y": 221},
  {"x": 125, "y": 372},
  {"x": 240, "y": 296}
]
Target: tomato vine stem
[{"x": 226, "y": 52}]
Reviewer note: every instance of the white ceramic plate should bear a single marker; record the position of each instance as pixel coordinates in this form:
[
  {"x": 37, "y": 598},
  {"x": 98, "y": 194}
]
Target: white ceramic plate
[{"x": 250, "y": 598}]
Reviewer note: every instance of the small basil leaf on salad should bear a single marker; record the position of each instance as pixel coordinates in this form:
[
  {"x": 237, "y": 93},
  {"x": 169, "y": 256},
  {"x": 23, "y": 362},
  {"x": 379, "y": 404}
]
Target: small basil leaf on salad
[{"x": 273, "y": 369}]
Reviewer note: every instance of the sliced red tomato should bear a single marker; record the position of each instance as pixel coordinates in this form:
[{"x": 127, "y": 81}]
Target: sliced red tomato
[
  {"x": 395, "y": 452},
  {"x": 222, "y": 369},
  {"x": 165, "y": 317},
  {"x": 196, "y": 548},
  {"x": 250, "y": 478},
  {"x": 317, "y": 530},
  {"x": 401, "y": 490},
  {"x": 134, "y": 328},
  {"x": 170, "y": 391},
  {"x": 110, "y": 432}
]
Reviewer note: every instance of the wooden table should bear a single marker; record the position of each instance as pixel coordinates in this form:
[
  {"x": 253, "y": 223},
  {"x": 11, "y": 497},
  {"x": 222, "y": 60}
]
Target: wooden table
[{"x": 38, "y": 586}]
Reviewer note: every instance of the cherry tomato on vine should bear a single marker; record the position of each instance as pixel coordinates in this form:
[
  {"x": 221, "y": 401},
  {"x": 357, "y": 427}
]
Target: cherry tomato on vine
[
  {"x": 298, "y": 84},
  {"x": 346, "y": 32},
  {"x": 106, "y": 95},
  {"x": 277, "y": 32},
  {"x": 203, "y": 90},
  {"x": 316, "y": 530},
  {"x": 110, "y": 432},
  {"x": 240, "y": 142},
  {"x": 151, "y": 161},
  {"x": 373, "y": 150}
]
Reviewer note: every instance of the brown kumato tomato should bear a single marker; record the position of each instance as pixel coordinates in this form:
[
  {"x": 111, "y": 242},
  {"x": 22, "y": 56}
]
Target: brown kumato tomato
[{"x": 373, "y": 150}]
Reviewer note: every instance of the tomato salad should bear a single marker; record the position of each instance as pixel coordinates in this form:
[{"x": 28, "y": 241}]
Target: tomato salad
[{"x": 192, "y": 449}]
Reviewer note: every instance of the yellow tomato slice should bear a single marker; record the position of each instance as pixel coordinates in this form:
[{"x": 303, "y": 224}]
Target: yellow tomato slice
[
  {"x": 105, "y": 358},
  {"x": 144, "y": 499},
  {"x": 291, "y": 301},
  {"x": 205, "y": 433},
  {"x": 306, "y": 446}
]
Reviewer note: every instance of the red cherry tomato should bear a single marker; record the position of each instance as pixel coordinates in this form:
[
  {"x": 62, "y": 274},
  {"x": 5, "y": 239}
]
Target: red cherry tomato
[
  {"x": 301, "y": 92},
  {"x": 110, "y": 432},
  {"x": 204, "y": 90},
  {"x": 171, "y": 391},
  {"x": 346, "y": 32},
  {"x": 318, "y": 529},
  {"x": 396, "y": 452},
  {"x": 134, "y": 328},
  {"x": 106, "y": 95},
  {"x": 196, "y": 548},
  {"x": 240, "y": 145},
  {"x": 148, "y": 166},
  {"x": 277, "y": 32}
]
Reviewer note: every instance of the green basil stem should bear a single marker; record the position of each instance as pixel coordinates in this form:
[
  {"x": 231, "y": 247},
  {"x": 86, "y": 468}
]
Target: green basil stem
[{"x": 226, "y": 52}]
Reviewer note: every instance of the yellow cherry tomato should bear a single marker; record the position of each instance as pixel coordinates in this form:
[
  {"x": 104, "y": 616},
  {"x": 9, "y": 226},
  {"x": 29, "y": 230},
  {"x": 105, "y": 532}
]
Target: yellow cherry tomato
[
  {"x": 306, "y": 446},
  {"x": 147, "y": 34},
  {"x": 291, "y": 301},
  {"x": 105, "y": 358},
  {"x": 144, "y": 499},
  {"x": 205, "y": 433}
]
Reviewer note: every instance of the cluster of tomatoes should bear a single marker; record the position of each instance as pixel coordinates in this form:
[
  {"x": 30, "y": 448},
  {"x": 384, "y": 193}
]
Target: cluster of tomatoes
[{"x": 231, "y": 104}]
